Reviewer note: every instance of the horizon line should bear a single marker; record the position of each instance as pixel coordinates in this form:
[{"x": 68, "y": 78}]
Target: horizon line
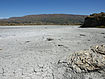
[
  {"x": 45, "y": 14},
  {"x": 40, "y": 14}
]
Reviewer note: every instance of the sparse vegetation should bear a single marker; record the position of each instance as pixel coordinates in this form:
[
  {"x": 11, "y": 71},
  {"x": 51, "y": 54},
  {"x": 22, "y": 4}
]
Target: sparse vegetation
[
  {"x": 95, "y": 20},
  {"x": 45, "y": 19}
]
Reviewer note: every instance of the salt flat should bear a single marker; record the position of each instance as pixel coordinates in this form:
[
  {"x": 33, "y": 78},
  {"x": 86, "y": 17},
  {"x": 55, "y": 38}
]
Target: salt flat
[{"x": 27, "y": 53}]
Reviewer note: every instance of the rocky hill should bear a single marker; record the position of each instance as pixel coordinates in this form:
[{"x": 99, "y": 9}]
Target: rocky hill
[
  {"x": 45, "y": 19},
  {"x": 95, "y": 20}
]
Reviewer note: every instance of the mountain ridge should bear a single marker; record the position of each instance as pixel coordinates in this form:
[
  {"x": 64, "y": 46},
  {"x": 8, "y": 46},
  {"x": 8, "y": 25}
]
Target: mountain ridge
[{"x": 44, "y": 19}]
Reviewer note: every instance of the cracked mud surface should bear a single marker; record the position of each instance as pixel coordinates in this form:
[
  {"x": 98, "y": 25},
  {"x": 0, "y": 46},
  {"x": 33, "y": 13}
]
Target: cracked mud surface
[{"x": 26, "y": 52}]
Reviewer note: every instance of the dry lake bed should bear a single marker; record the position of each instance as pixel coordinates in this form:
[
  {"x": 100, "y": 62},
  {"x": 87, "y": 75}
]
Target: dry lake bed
[{"x": 33, "y": 52}]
